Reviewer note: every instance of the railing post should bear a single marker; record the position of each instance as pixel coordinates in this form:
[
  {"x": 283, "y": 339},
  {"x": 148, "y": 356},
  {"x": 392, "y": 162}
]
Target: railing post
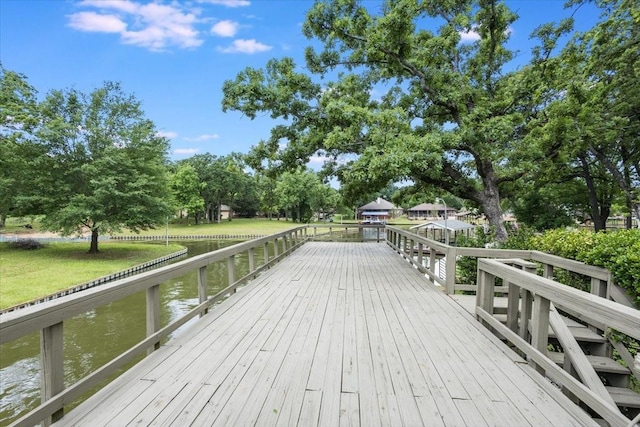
[
  {"x": 265, "y": 248},
  {"x": 276, "y": 251},
  {"x": 231, "y": 269},
  {"x": 285, "y": 244},
  {"x": 252, "y": 261},
  {"x": 540, "y": 326},
  {"x": 547, "y": 271},
  {"x": 432, "y": 260},
  {"x": 513, "y": 302},
  {"x": 52, "y": 366},
  {"x": 485, "y": 292},
  {"x": 525, "y": 314},
  {"x": 153, "y": 314},
  {"x": 450, "y": 279},
  {"x": 420, "y": 255},
  {"x": 202, "y": 287}
]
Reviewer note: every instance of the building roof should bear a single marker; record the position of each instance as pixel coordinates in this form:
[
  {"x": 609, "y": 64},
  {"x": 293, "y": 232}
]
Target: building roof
[
  {"x": 451, "y": 225},
  {"x": 377, "y": 205},
  {"x": 430, "y": 207}
]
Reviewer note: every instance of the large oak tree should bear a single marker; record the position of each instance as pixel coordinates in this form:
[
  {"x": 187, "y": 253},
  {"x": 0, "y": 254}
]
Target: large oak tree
[{"x": 451, "y": 115}]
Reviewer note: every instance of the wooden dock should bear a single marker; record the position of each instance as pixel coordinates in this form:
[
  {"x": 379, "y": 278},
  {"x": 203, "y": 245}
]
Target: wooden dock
[{"x": 337, "y": 334}]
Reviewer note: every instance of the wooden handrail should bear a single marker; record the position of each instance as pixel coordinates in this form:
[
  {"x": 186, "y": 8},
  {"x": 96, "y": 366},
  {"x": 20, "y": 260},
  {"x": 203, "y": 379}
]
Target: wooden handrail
[
  {"x": 49, "y": 317},
  {"x": 591, "y": 307},
  {"x": 540, "y": 295},
  {"x": 601, "y": 280}
]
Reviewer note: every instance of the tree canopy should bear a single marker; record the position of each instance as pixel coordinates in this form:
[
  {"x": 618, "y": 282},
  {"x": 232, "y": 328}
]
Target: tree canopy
[
  {"x": 95, "y": 163},
  {"x": 452, "y": 114}
]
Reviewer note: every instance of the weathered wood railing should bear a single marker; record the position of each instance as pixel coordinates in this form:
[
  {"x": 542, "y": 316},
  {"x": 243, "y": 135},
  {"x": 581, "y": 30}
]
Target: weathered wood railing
[
  {"x": 533, "y": 307},
  {"x": 607, "y": 299},
  {"x": 417, "y": 249},
  {"x": 49, "y": 318}
]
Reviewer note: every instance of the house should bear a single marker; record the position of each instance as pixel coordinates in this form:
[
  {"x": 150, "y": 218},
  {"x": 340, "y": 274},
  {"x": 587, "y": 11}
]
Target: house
[
  {"x": 224, "y": 212},
  {"x": 430, "y": 210},
  {"x": 378, "y": 211}
]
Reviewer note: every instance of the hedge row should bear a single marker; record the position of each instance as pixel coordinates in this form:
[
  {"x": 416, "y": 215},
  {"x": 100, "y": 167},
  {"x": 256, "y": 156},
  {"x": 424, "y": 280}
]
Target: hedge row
[{"x": 618, "y": 251}]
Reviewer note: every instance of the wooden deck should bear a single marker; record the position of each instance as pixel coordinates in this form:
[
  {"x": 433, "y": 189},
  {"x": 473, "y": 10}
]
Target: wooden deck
[{"x": 338, "y": 334}]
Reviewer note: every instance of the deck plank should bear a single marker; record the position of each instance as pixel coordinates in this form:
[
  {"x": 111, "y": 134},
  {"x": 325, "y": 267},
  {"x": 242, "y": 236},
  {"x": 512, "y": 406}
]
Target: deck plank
[{"x": 337, "y": 334}]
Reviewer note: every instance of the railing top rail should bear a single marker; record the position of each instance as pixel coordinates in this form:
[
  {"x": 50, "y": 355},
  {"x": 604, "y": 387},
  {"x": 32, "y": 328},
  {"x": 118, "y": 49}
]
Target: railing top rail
[
  {"x": 21, "y": 322},
  {"x": 429, "y": 242},
  {"x": 622, "y": 318},
  {"x": 572, "y": 265},
  {"x": 557, "y": 261}
]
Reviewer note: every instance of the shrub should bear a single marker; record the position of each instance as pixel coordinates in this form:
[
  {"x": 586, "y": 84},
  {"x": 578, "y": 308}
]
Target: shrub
[
  {"x": 27, "y": 244},
  {"x": 617, "y": 251}
]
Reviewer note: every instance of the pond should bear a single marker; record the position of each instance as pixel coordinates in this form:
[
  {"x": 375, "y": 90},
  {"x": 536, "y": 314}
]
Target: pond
[{"x": 94, "y": 338}]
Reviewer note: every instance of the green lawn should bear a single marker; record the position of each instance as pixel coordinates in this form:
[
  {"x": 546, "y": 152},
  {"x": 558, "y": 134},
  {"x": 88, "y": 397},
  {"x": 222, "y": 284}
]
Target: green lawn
[
  {"x": 29, "y": 274},
  {"x": 238, "y": 226}
]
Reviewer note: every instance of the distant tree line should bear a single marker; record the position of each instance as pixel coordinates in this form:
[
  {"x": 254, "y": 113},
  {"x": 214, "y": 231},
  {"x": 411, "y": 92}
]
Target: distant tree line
[{"x": 92, "y": 162}]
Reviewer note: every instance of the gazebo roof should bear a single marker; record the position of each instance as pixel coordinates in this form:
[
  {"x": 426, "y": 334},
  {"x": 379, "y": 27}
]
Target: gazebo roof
[
  {"x": 376, "y": 205},
  {"x": 451, "y": 225}
]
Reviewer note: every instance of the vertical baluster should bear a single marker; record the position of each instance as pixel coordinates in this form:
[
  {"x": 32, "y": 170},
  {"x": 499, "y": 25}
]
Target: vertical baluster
[
  {"x": 153, "y": 314},
  {"x": 52, "y": 365},
  {"x": 265, "y": 248},
  {"x": 231, "y": 269},
  {"x": 252, "y": 261},
  {"x": 540, "y": 326},
  {"x": 202, "y": 287}
]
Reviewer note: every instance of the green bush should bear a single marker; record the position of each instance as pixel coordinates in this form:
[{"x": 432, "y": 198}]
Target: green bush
[
  {"x": 27, "y": 244},
  {"x": 617, "y": 251}
]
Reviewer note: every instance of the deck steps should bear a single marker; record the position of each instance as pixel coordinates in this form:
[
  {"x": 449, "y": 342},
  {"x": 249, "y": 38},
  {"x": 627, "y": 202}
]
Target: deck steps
[
  {"x": 614, "y": 372},
  {"x": 624, "y": 397},
  {"x": 600, "y": 363}
]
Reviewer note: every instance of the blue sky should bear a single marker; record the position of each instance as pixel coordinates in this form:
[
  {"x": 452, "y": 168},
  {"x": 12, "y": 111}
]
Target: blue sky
[{"x": 175, "y": 55}]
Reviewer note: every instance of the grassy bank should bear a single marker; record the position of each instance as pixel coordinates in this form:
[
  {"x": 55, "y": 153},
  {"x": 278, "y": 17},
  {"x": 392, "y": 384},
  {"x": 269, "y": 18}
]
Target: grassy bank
[
  {"x": 29, "y": 274},
  {"x": 239, "y": 226}
]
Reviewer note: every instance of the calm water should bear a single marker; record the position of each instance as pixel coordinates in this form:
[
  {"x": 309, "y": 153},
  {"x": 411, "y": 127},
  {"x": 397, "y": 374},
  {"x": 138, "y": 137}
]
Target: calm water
[{"x": 96, "y": 337}]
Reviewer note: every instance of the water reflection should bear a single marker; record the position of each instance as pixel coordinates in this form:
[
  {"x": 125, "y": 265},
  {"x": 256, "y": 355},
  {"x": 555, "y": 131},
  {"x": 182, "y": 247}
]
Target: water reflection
[{"x": 96, "y": 337}]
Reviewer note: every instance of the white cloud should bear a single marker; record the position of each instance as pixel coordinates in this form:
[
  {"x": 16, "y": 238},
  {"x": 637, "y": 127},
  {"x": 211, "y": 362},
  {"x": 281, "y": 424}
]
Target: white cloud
[
  {"x": 228, "y": 3},
  {"x": 167, "y": 134},
  {"x": 318, "y": 159},
  {"x": 186, "y": 150},
  {"x": 225, "y": 28},
  {"x": 203, "y": 137},
  {"x": 245, "y": 46},
  {"x": 95, "y": 22},
  {"x": 469, "y": 36},
  {"x": 153, "y": 26},
  {"x": 119, "y": 5}
]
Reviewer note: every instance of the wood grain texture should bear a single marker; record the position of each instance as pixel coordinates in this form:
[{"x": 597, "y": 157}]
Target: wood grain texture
[{"x": 336, "y": 334}]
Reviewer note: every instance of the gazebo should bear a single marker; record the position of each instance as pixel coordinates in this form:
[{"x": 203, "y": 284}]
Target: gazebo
[{"x": 445, "y": 228}]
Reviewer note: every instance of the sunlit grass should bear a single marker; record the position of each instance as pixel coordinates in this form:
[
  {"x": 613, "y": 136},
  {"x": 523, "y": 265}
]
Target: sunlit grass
[
  {"x": 238, "y": 226},
  {"x": 30, "y": 274}
]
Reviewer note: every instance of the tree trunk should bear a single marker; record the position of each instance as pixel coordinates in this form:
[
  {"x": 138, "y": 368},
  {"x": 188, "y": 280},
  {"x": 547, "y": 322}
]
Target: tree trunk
[
  {"x": 3, "y": 220},
  {"x": 219, "y": 211},
  {"x": 93, "y": 248},
  {"x": 490, "y": 201},
  {"x": 599, "y": 223}
]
